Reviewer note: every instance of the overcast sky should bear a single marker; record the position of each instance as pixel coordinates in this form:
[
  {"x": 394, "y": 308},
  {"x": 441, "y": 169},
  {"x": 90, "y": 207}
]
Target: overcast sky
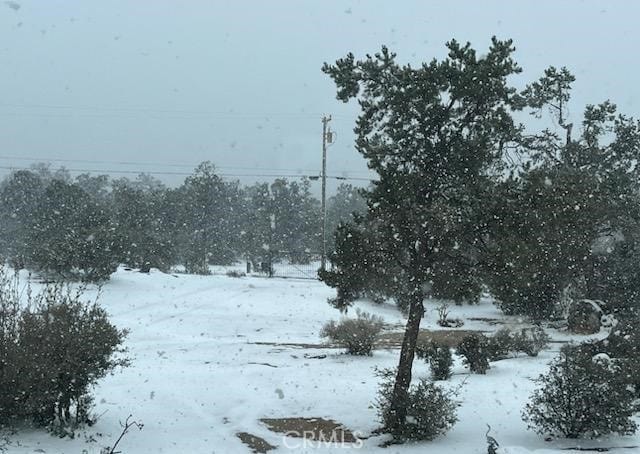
[{"x": 161, "y": 85}]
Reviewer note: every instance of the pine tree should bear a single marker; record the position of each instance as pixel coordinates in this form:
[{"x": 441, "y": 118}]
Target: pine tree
[
  {"x": 296, "y": 218},
  {"x": 19, "y": 197},
  {"x": 71, "y": 235},
  {"x": 433, "y": 134},
  {"x": 572, "y": 193},
  {"x": 282, "y": 221},
  {"x": 341, "y": 207},
  {"x": 145, "y": 241},
  {"x": 209, "y": 219}
]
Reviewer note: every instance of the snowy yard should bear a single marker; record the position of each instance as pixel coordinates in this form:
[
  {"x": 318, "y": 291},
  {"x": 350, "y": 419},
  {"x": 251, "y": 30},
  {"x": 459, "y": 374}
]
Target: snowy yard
[{"x": 212, "y": 355}]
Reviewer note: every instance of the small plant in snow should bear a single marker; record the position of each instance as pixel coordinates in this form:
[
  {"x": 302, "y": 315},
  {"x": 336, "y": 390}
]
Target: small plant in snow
[
  {"x": 441, "y": 363},
  {"x": 505, "y": 342},
  {"x": 443, "y": 314},
  {"x": 125, "y": 429},
  {"x": 475, "y": 352},
  {"x": 431, "y": 410},
  {"x": 356, "y": 335},
  {"x": 444, "y": 320},
  {"x": 582, "y": 395},
  {"x": 439, "y": 358},
  {"x": 531, "y": 341},
  {"x": 501, "y": 344}
]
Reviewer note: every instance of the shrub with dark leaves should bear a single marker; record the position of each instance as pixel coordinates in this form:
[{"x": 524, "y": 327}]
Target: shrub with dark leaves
[
  {"x": 475, "y": 352},
  {"x": 531, "y": 341},
  {"x": 582, "y": 395},
  {"x": 431, "y": 410},
  {"x": 500, "y": 345},
  {"x": 53, "y": 351},
  {"x": 439, "y": 358},
  {"x": 505, "y": 343},
  {"x": 623, "y": 343}
]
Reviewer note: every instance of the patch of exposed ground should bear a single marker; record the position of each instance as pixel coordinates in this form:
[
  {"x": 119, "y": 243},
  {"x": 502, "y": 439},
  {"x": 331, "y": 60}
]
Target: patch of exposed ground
[
  {"x": 490, "y": 321},
  {"x": 292, "y": 344},
  {"x": 450, "y": 337},
  {"x": 317, "y": 429},
  {"x": 256, "y": 444}
]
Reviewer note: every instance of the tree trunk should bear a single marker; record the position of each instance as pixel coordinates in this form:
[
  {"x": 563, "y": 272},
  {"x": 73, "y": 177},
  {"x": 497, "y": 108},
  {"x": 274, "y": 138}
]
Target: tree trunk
[{"x": 403, "y": 376}]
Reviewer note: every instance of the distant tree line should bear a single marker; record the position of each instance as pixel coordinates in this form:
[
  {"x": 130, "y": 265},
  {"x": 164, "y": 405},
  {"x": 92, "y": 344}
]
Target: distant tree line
[{"x": 84, "y": 227}]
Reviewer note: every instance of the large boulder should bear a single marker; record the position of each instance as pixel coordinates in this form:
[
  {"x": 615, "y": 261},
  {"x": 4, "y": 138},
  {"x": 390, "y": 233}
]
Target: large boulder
[{"x": 584, "y": 317}]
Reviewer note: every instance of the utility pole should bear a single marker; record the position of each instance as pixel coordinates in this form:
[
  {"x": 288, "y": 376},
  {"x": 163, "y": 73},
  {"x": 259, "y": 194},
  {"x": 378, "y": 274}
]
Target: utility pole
[{"x": 326, "y": 138}]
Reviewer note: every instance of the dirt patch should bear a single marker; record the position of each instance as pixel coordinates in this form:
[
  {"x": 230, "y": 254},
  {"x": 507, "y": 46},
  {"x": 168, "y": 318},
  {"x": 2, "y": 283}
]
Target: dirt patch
[
  {"x": 256, "y": 444},
  {"x": 318, "y": 429},
  {"x": 490, "y": 321},
  {"x": 449, "y": 337},
  {"x": 292, "y": 344}
]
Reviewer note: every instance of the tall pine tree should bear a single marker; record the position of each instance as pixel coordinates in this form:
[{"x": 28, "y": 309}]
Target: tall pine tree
[{"x": 434, "y": 135}]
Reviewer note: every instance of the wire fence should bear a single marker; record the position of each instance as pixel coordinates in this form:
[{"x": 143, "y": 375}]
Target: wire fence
[
  {"x": 282, "y": 268},
  {"x": 296, "y": 270}
]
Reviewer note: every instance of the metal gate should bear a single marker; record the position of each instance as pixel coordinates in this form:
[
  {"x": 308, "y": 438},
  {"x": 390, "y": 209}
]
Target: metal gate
[{"x": 291, "y": 265}]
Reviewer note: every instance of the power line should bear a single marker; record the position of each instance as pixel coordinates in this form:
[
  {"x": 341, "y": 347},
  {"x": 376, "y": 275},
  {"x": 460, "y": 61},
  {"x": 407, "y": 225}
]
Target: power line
[
  {"x": 161, "y": 111},
  {"x": 155, "y": 110},
  {"x": 166, "y": 164},
  {"x": 226, "y": 175}
]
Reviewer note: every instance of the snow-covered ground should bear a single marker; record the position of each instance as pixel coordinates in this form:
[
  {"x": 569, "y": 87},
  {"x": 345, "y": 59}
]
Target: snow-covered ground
[{"x": 207, "y": 364}]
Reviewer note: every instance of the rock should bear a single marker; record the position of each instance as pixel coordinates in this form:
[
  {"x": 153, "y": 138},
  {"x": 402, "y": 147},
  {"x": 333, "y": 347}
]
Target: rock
[{"x": 584, "y": 317}]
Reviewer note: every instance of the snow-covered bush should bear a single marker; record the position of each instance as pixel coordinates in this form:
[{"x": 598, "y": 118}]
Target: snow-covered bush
[
  {"x": 500, "y": 345},
  {"x": 624, "y": 338},
  {"x": 438, "y": 357},
  {"x": 53, "y": 350},
  {"x": 582, "y": 395},
  {"x": 531, "y": 340},
  {"x": 431, "y": 410},
  {"x": 475, "y": 352},
  {"x": 505, "y": 342},
  {"x": 623, "y": 343},
  {"x": 357, "y": 335},
  {"x": 441, "y": 363}
]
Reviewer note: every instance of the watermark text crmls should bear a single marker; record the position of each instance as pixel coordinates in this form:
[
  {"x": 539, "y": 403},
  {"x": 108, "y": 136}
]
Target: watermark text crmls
[{"x": 300, "y": 439}]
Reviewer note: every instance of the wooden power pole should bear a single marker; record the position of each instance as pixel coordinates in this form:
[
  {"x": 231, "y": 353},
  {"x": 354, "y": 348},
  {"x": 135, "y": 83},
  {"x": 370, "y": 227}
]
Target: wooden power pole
[{"x": 326, "y": 138}]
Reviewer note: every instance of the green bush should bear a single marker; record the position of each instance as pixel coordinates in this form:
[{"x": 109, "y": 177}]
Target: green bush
[
  {"x": 623, "y": 343},
  {"x": 531, "y": 341},
  {"x": 501, "y": 344},
  {"x": 505, "y": 342},
  {"x": 356, "y": 335},
  {"x": 54, "y": 349},
  {"x": 439, "y": 358},
  {"x": 431, "y": 411},
  {"x": 582, "y": 395},
  {"x": 475, "y": 352},
  {"x": 624, "y": 339}
]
